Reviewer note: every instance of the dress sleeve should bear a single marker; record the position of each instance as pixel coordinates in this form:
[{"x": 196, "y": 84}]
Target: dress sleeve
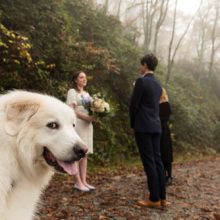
[{"x": 71, "y": 97}]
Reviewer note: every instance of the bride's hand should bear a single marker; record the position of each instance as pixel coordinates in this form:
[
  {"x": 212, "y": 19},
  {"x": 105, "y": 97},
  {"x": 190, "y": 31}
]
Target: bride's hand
[
  {"x": 87, "y": 118},
  {"x": 92, "y": 119}
]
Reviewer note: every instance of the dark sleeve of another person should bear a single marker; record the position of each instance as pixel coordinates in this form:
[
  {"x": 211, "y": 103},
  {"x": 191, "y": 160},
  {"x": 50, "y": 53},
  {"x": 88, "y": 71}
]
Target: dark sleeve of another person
[{"x": 135, "y": 100}]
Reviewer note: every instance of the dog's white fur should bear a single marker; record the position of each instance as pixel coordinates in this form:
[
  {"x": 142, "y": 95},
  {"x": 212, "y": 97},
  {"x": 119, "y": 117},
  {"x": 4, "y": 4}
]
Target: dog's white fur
[{"x": 23, "y": 134}]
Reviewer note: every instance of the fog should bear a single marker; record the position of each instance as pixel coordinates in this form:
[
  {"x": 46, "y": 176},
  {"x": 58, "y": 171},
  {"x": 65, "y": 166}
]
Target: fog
[{"x": 174, "y": 29}]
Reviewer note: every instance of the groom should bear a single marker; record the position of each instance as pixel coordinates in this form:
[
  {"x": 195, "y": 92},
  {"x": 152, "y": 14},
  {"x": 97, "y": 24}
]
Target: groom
[{"x": 144, "y": 117}]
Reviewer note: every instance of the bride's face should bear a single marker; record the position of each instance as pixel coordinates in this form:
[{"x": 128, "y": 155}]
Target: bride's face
[{"x": 81, "y": 80}]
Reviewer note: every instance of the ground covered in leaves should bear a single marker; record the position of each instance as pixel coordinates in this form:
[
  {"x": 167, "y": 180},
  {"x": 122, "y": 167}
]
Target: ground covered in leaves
[{"x": 194, "y": 195}]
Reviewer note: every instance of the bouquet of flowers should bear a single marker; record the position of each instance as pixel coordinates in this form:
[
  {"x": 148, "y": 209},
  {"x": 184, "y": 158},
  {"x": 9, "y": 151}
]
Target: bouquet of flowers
[
  {"x": 99, "y": 107},
  {"x": 86, "y": 101}
]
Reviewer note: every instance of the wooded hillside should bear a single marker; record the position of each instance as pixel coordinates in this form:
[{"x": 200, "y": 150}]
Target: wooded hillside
[{"x": 42, "y": 43}]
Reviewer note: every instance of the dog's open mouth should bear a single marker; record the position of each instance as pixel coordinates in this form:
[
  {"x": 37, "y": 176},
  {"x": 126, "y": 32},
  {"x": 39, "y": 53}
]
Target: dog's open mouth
[{"x": 69, "y": 167}]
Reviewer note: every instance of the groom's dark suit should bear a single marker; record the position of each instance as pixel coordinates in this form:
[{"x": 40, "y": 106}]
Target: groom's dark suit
[{"x": 144, "y": 117}]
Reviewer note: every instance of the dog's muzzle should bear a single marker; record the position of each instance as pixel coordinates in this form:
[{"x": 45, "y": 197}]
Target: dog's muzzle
[
  {"x": 79, "y": 151},
  {"x": 65, "y": 166}
]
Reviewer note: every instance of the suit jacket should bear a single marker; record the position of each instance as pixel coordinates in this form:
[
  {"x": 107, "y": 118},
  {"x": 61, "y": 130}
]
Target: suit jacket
[{"x": 144, "y": 106}]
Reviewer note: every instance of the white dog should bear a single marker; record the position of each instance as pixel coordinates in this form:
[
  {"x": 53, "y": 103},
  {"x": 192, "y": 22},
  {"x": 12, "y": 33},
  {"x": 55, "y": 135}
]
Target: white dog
[{"x": 37, "y": 137}]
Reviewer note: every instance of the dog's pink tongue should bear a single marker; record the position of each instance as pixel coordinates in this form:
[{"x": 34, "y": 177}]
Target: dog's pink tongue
[{"x": 71, "y": 169}]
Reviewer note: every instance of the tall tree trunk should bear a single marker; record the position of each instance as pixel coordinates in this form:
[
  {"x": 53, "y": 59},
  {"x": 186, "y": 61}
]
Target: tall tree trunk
[
  {"x": 149, "y": 9},
  {"x": 171, "y": 56},
  {"x": 169, "y": 61},
  {"x": 119, "y": 9},
  {"x": 162, "y": 16},
  {"x": 201, "y": 50},
  {"x": 201, "y": 55},
  {"x": 105, "y": 8},
  {"x": 213, "y": 40}
]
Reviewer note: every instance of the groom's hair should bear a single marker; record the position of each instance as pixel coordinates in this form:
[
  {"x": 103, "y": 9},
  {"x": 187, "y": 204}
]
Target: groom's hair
[{"x": 150, "y": 60}]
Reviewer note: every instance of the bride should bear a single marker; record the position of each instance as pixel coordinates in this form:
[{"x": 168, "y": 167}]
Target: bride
[{"x": 78, "y": 98}]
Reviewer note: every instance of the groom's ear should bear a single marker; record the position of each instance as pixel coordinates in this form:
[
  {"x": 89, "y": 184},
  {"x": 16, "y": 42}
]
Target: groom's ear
[{"x": 17, "y": 114}]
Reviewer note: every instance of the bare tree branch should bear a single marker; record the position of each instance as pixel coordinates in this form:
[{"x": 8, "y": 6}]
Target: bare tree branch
[
  {"x": 171, "y": 56},
  {"x": 213, "y": 41},
  {"x": 119, "y": 9},
  {"x": 162, "y": 16},
  {"x": 169, "y": 65},
  {"x": 105, "y": 8}
]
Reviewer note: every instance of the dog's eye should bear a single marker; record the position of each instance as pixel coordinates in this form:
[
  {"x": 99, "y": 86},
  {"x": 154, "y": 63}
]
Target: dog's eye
[
  {"x": 53, "y": 125},
  {"x": 74, "y": 125}
]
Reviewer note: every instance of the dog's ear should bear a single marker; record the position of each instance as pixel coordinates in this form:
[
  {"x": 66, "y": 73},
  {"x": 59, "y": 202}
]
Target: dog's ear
[{"x": 16, "y": 114}]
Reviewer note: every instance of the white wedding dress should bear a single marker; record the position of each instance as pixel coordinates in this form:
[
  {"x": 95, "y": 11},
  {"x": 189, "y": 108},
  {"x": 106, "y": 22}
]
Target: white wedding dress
[{"x": 83, "y": 128}]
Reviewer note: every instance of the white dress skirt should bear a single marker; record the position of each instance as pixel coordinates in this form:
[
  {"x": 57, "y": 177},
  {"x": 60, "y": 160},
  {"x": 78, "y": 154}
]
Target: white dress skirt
[{"x": 83, "y": 128}]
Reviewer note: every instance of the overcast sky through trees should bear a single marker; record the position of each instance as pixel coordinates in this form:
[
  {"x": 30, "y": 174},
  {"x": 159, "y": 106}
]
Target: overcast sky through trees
[{"x": 173, "y": 29}]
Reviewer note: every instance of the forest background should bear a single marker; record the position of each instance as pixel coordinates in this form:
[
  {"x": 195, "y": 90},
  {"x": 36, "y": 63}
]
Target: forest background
[{"x": 42, "y": 43}]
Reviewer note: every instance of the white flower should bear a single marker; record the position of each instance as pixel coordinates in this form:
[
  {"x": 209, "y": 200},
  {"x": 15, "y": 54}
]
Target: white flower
[
  {"x": 106, "y": 106},
  {"x": 99, "y": 105}
]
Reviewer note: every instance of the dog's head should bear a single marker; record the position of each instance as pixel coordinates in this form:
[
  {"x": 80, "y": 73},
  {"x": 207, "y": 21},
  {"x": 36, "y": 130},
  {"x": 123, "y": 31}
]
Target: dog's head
[{"x": 43, "y": 131}]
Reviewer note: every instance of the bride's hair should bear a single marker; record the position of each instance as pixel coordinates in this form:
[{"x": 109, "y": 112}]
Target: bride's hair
[{"x": 75, "y": 76}]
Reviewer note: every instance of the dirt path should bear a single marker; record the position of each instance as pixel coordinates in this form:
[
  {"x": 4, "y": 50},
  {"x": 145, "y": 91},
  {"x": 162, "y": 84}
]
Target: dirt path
[{"x": 194, "y": 195}]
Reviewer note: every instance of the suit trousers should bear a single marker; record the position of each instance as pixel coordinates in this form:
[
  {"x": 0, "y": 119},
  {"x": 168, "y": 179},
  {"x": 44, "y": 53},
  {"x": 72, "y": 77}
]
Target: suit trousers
[{"x": 149, "y": 149}]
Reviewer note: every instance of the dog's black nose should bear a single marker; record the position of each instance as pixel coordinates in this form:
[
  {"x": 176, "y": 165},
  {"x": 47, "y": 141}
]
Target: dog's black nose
[{"x": 80, "y": 151}]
